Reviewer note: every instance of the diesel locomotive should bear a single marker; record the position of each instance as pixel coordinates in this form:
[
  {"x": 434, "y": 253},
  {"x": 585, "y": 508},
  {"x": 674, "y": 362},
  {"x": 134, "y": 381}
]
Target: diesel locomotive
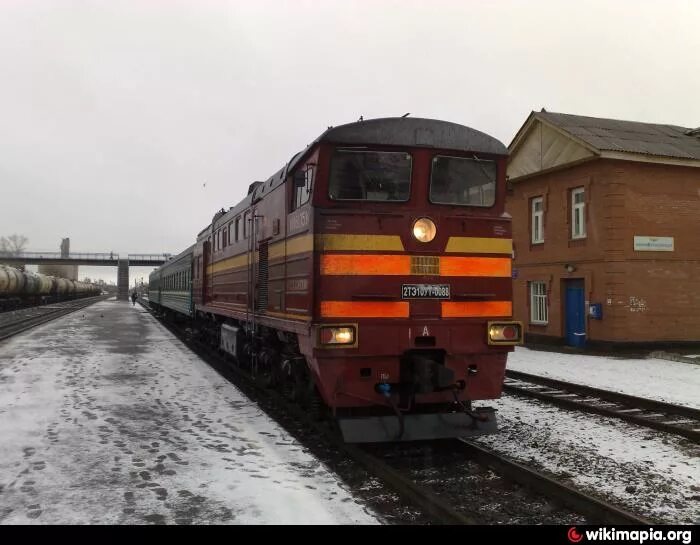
[{"x": 369, "y": 277}]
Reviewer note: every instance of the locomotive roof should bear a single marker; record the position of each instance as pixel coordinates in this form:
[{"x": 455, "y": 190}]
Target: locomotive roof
[
  {"x": 386, "y": 131},
  {"x": 401, "y": 131},
  {"x": 414, "y": 132}
]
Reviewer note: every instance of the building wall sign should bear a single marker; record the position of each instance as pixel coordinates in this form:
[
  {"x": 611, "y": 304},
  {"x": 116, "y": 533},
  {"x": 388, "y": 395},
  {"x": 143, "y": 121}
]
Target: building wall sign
[{"x": 653, "y": 244}]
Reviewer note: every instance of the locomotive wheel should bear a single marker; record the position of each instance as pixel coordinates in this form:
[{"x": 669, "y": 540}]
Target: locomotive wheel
[
  {"x": 263, "y": 374},
  {"x": 317, "y": 408},
  {"x": 299, "y": 390}
]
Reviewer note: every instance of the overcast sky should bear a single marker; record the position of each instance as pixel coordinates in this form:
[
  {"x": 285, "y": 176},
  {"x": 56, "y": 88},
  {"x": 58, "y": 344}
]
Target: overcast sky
[{"x": 113, "y": 115}]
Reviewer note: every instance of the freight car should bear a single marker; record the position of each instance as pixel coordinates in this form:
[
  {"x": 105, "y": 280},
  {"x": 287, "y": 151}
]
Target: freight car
[
  {"x": 23, "y": 288},
  {"x": 370, "y": 277}
]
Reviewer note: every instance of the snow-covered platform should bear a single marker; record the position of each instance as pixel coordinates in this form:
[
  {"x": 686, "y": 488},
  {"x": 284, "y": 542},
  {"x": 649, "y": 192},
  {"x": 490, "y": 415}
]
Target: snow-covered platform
[
  {"x": 105, "y": 417},
  {"x": 663, "y": 380}
]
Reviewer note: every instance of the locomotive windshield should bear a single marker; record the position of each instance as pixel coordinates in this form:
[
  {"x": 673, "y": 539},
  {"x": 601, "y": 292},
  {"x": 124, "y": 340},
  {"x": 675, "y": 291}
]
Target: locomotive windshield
[
  {"x": 462, "y": 181},
  {"x": 370, "y": 176}
]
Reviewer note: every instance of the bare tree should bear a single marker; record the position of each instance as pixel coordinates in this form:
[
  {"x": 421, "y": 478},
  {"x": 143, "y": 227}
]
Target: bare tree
[{"x": 14, "y": 244}]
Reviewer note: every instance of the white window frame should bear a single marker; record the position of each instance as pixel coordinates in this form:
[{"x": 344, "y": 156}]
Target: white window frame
[
  {"x": 537, "y": 223},
  {"x": 539, "y": 311},
  {"x": 578, "y": 208}
]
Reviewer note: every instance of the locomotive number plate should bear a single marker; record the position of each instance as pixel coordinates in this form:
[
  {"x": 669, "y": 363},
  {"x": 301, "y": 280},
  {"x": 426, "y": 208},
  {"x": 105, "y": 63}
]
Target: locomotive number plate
[{"x": 425, "y": 291}]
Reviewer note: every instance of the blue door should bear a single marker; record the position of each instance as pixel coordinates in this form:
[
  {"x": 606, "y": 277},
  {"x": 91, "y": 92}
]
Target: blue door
[{"x": 575, "y": 317}]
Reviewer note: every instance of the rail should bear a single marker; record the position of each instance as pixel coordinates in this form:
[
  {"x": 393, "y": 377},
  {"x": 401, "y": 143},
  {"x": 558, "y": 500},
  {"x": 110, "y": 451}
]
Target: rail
[
  {"x": 593, "y": 507},
  {"x": 34, "y": 316},
  {"x": 657, "y": 415}
]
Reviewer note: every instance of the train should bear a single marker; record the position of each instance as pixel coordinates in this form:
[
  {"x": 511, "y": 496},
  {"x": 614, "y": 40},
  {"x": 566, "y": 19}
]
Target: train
[
  {"x": 369, "y": 279},
  {"x": 20, "y": 289}
]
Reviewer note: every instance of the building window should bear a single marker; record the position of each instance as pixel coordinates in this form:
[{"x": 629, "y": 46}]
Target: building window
[
  {"x": 537, "y": 223},
  {"x": 538, "y": 303},
  {"x": 237, "y": 226},
  {"x": 578, "y": 213}
]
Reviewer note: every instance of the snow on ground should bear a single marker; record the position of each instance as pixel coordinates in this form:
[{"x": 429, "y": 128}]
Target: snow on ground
[
  {"x": 652, "y": 473},
  {"x": 663, "y": 380},
  {"x": 106, "y": 418}
]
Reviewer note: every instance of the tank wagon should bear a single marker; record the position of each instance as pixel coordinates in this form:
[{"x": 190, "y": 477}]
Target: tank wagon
[
  {"x": 370, "y": 277},
  {"x": 23, "y": 288}
]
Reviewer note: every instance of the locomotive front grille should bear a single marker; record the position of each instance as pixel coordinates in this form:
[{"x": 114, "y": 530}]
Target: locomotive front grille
[{"x": 427, "y": 265}]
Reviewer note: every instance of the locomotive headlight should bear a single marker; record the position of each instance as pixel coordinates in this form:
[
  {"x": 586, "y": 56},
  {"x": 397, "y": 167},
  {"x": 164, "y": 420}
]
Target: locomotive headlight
[
  {"x": 505, "y": 333},
  {"x": 424, "y": 230},
  {"x": 337, "y": 335}
]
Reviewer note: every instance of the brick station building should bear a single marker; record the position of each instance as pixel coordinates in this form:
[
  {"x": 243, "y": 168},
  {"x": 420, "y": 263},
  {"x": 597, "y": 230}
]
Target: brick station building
[{"x": 606, "y": 231}]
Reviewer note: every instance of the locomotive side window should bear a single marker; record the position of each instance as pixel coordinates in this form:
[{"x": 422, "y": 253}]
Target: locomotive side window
[
  {"x": 463, "y": 181},
  {"x": 246, "y": 225},
  {"x": 370, "y": 176},
  {"x": 302, "y": 193}
]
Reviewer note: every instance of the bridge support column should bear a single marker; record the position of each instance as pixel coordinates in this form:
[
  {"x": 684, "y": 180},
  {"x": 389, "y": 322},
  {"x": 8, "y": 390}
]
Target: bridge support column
[{"x": 123, "y": 280}]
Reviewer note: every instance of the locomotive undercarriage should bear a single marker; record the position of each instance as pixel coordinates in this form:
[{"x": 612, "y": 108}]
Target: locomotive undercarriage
[
  {"x": 273, "y": 359},
  {"x": 403, "y": 418},
  {"x": 270, "y": 357}
]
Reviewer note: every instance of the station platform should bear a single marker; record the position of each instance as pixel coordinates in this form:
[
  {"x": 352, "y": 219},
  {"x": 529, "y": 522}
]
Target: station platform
[
  {"x": 107, "y": 418},
  {"x": 662, "y": 380}
]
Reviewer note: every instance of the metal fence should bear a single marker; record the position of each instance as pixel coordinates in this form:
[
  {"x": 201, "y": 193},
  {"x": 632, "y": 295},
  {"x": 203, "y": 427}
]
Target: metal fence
[
  {"x": 149, "y": 257},
  {"x": 111, "y": 256},
  {"x": 58, "y": 255}
]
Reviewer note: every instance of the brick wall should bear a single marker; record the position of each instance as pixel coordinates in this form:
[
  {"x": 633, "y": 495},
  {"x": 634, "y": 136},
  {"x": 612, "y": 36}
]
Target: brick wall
[{"x": 646, "y": 296}]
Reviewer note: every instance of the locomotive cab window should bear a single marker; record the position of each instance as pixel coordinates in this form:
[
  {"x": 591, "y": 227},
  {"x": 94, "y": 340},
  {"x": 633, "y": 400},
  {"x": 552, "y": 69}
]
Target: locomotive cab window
[
  {"x": 370, "y": 176},
  {"x": 462, "y": 181},
  {"x": 303, "y": 181}
]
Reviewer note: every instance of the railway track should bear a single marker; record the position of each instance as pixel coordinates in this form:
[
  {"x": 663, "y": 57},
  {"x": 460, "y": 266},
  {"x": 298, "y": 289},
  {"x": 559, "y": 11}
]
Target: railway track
[
  {"x": 448, "y": 456},
  {"x": 14, "y": 322},
  {"x": 657, "y": 415},
  {"x": 591, "y": 506},
  {"x": 436, "y": 507}
]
